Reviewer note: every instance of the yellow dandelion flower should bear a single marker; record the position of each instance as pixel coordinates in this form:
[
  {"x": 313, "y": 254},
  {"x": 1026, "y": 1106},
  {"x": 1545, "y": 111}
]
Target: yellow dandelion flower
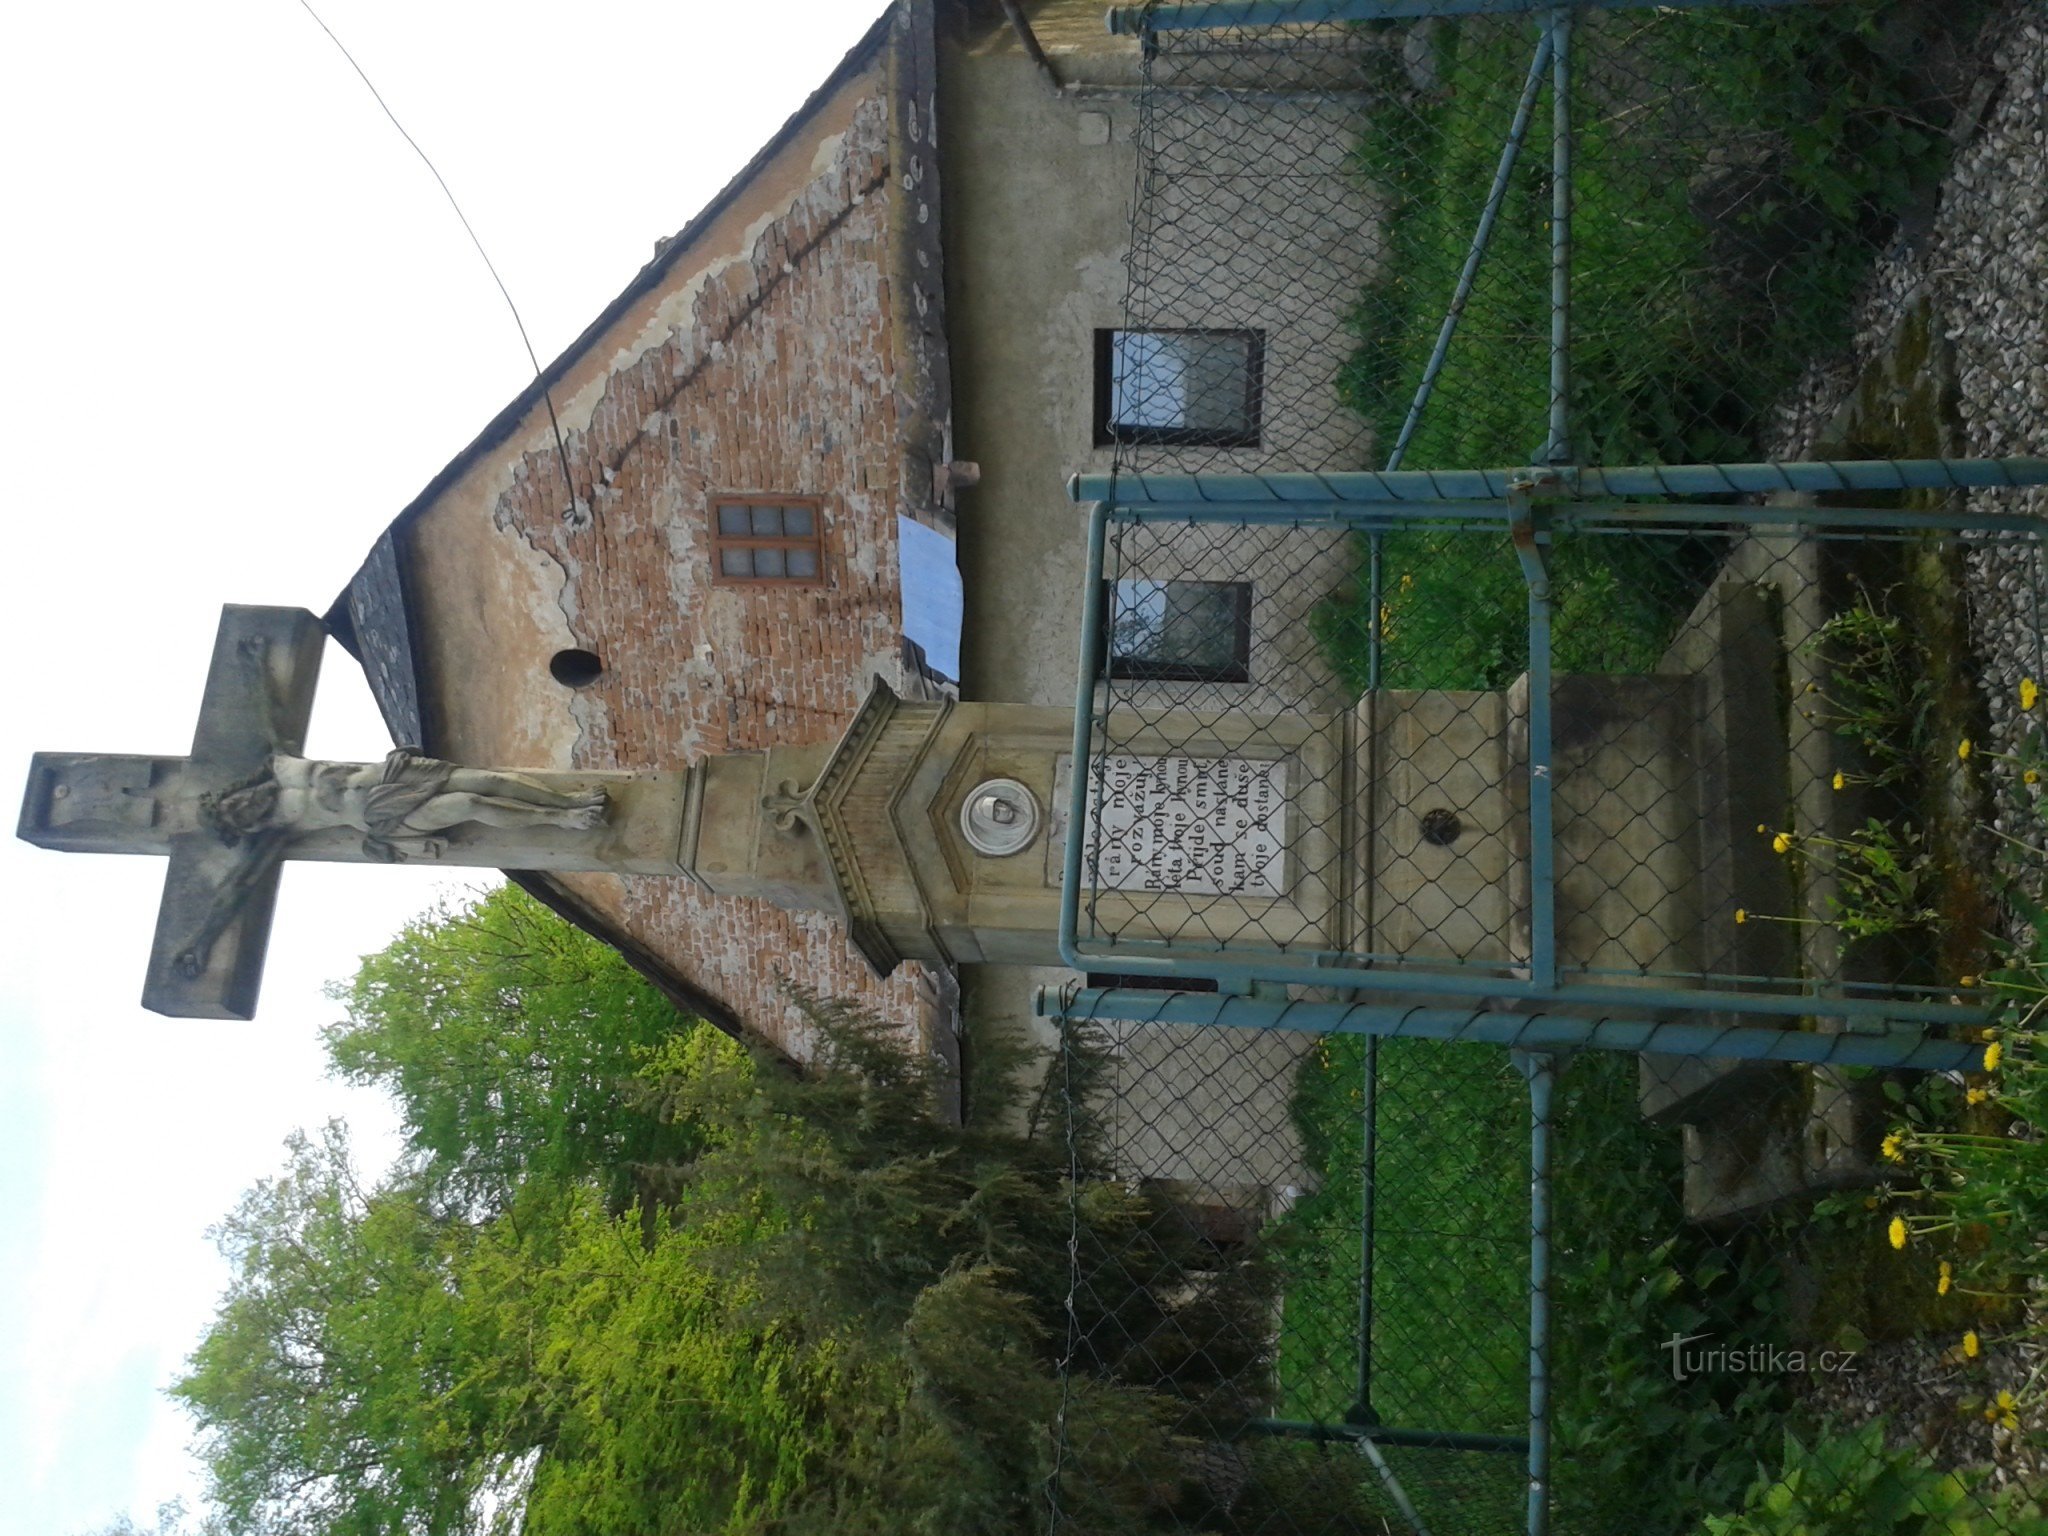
[
  {"x": 1897, "y": 1231},
  {"x": 1971, "y": 1346},
  {"x": 1891, "y": 1152},
  {"x": 1782, "y": 843},
  {"x": 1976, "y": 1095},
  {"x": 2008, "y": 1410},
  {"x": 1761, "y": 827},
  {"x": 1947, "y": 1279},
  {"x": 2031, "y": 776},
  {"x": 1407, "y": 582},
  {"x": 1994, "y": 1053},
  {"x": 1966, "y": 981},
  {"x": 1963, "y": 749},
  {"x": 2029, "y": 693},
  {"x": 1841, "y": 781},
  {"x": 1741, "y": 915}
]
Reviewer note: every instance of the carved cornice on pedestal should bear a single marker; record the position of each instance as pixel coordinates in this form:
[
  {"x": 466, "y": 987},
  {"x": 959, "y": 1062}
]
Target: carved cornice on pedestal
[{"x": 854, "y": 805}]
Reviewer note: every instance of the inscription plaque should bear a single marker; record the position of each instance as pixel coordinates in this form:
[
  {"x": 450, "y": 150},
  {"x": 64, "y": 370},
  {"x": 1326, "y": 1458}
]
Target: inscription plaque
[{"x": 1200, "y": 826}]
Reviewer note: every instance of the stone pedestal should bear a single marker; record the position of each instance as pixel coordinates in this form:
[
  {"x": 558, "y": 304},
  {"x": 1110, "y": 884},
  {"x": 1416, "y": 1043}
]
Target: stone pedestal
[{"x": 1758, "y": 1134}]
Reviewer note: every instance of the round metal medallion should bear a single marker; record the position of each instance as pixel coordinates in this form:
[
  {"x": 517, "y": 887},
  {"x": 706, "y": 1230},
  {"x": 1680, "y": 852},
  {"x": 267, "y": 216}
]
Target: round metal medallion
[{"x": 1000, "y": 818}]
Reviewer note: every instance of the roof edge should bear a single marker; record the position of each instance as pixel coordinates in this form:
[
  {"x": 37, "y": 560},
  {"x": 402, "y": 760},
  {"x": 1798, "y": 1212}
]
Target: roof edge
[
  {"x": 692, "y": 1000},
  {"x": 501, "y": 426}
]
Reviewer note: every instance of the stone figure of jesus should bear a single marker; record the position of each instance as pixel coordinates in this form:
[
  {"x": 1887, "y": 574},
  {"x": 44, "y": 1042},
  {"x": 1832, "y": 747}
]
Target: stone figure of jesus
[{"x": 396, "y": 804}]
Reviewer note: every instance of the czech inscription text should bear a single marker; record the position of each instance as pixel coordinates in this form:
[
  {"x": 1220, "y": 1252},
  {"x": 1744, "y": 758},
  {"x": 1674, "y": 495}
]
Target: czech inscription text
[{"x": 1200, "y": 826}]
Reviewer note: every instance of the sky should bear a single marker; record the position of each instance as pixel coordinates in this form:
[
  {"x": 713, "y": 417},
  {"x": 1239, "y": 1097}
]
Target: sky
[{"x": 241, "y": 330}]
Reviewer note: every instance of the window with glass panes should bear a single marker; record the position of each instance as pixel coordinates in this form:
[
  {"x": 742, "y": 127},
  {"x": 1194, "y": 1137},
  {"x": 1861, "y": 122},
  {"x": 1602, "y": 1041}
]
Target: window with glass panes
[
  {"x": 1186, "y": 631},
  {"x": 1193, "y": 387},
  {"x": 766, "y": 538}
]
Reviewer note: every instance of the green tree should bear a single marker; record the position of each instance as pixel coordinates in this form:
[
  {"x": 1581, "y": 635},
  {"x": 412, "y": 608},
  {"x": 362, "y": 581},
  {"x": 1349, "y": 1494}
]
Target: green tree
[
  {"x": 345, "y": 1386},
  {"x": 512, "y": 1043},
  {"x": 172, "y": 1519},
  {"x": 844, "y": 1314}
]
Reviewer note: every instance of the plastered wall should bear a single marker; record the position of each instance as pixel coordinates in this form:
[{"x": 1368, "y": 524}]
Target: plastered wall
[{"x": 768, "y": 362}]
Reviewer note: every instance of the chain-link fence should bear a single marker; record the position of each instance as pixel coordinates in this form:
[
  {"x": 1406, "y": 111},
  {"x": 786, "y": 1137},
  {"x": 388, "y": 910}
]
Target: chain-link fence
[{"x": 1558, "y": 1053}]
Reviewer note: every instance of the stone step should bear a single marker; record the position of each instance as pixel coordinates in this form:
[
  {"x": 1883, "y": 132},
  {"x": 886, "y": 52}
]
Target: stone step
[{"x": 1780, "y": 1134}]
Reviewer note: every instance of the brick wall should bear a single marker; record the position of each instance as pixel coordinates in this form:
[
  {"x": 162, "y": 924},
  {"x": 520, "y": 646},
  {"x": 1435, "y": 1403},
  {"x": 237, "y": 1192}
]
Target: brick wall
[{"x": 783, "y": 381}]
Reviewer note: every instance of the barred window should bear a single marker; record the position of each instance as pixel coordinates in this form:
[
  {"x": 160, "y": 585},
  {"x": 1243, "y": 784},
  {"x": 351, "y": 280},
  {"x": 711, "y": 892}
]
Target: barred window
[
  {"x": 1181, "y": 631},
  {"x": 766, "y": 539},
  {"x": 1178, "y": 386}
]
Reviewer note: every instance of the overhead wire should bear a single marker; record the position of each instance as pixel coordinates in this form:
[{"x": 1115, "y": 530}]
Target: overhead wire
[{"x": 547, "y": 397}]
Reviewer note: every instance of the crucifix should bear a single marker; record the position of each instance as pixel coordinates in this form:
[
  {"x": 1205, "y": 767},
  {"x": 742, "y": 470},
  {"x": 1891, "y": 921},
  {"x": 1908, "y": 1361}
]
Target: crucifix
[
  {"x": 937, "y": 830},
  {"x": 246, "y": 800}
]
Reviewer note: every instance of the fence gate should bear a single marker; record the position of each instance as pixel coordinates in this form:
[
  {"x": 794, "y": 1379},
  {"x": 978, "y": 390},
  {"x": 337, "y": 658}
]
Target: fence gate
[{"x": 1558, "y": 742}]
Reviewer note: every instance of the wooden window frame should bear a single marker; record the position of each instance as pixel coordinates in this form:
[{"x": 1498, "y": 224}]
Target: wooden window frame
[
  {"x": 1108, "y": 433},
  {"x": 720, "y": 542},
  {"x": 1140, "y": 669}
]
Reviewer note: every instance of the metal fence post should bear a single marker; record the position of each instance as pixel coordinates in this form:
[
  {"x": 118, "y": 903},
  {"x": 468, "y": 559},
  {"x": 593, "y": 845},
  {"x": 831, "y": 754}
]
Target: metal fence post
[
  {"x": 1558, "y": 449},
  {"x": 1530, "y": 537},
  {"x": 1541, "y": 1071},
  {"x": 1906, "y": 1048}
]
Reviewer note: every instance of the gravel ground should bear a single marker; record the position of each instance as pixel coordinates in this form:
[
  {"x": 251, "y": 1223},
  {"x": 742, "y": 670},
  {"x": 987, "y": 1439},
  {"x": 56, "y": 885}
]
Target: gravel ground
[
  {"x": 1981, "y": 263},
  {"x": 1930, "y": 1396}
]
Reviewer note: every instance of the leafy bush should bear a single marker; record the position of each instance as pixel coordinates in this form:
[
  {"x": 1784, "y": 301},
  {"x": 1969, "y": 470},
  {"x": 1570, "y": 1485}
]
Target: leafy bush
[
  {"x": 1852, "y": 1484},
  {"x": 841, "y": 1314}
]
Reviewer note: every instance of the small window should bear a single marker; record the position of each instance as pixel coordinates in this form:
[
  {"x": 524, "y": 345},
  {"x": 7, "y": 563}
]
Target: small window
[
  {"x": 768, "y": 538},
  {"x": 1187, "y": 631},
  {"x": 1200, "y": 388}
]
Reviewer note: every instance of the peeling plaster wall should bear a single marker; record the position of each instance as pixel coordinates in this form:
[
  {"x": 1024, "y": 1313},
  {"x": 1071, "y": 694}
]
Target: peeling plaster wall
[
  {"x": 1039, "y": 188},
  {"x": 768, "y": 362}
]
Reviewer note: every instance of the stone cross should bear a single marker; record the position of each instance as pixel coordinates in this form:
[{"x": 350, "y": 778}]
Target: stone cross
[{"x": 244, "y": 801}]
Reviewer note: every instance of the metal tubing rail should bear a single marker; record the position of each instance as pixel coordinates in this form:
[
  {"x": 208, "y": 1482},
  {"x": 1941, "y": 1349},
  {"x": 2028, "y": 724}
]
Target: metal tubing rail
[
  {"x": 1133, "y": 20},
  {"x": 1368, "y": 1237},
  {"x": 1541, "y": 1071},
  {"x": 1244, "y": 969},
  {"x": 1584, "y": 516},
  {"x": 1428, "y": 486},
  {"x": 1557, "y": 449},
  {"x": 1518, "y": 130},
  {"x": 1638, "y": 517},
  {"x": 1908, "y": 1049},
  {"x": 1528, "y": 533},
  {"x": 1084, "y": 722},
  {"x": 1380, "y": 1434}
]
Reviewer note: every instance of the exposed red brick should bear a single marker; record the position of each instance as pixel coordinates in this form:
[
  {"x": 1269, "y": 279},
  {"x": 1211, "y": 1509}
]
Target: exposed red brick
[{"x": 785, "y": 383}]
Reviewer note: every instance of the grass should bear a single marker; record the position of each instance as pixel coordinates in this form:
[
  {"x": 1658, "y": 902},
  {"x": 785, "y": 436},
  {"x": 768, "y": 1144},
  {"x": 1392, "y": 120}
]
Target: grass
[
  {"x": 1636, "y": 1449},
  {"x": 1454, "y": 607},
  {"x": 1450, "y": 1264},
  {"x": 1735, "y": 174},
  {"x": 1451, "y": 1186}
]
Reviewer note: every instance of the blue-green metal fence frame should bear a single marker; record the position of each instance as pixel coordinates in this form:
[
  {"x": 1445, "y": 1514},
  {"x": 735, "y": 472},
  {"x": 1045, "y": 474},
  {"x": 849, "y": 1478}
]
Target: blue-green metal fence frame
[
  {"x": 1899, "y": 1029},
  {"x": 1537, "y": 1017},
  {"x": 1528, "y": 503}
]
